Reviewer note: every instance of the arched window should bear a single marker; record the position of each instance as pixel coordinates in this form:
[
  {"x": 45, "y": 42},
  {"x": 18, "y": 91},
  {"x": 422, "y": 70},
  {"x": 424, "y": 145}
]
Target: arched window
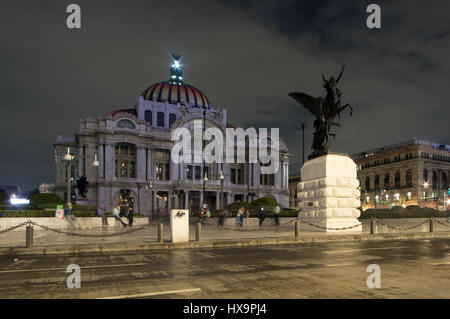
[
  {"x": 444, "y": 181},
  {"x": 126, "y": 124},
  {"x": 160, "y": 119},
  {"x": 367, "y": 183},
  {"x": 148, "y": 116},
  {"x": 397, "y": 179},
  {"x": 434, "y": 180},
  {"x": 377, "y": 183},
  {"x": 409, "y": 178},
  {"x": 425, "y": 176},
  {"x": 386, "y": 181},
  {"x": 172, "y": 119}
]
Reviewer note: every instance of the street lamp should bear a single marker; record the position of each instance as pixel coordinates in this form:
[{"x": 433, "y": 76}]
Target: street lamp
[
  {"x": 222, "y": 178},
  {"x": 149, "y": 185},
  {"x": 69, "y": 157},
  {"x": 95, "y": 162}
]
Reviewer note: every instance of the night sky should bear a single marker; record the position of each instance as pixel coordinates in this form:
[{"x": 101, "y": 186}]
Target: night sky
[{"x": 246, "y": 56}]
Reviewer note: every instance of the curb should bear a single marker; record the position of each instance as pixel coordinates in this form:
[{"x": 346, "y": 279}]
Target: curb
[{"x": 152, "y": 246}]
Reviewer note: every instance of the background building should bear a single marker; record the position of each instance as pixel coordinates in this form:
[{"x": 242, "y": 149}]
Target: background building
[
  {"x": 293, "y": 182},
  {"x": 133, "y": 146},
  {"x": 410, "y": 173}
]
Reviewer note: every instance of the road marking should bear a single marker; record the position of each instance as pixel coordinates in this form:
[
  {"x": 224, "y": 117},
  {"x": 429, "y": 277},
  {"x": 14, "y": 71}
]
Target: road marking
[
  {"x": 85, "y": 267},
  {"x": 361, "y": 249},
  {"x": 157, "y": 293},
  {"x": 340, "y": 265},
  {"x": 443, "y": 263}
]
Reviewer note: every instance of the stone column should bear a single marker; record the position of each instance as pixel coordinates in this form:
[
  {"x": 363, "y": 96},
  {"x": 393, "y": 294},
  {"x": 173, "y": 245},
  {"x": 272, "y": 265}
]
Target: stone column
[
  {"x": 278, "y": 176},
  {"x": 101, "y": 160},
  {"x": 81, "y": 161},
  {"x": 218, "y": 200},
  {"x": 186, "y": 199},
  {"x": 110, "y": 164},
  {"x": 140, "y": 163},
  {"x": 176, "y": 201},
  {"x": 149, "y": 164},
  {"x": 169, "y": 200}
]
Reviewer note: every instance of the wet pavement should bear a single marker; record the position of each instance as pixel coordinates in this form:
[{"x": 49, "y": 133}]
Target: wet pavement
[{"x": 409, "y": 269}]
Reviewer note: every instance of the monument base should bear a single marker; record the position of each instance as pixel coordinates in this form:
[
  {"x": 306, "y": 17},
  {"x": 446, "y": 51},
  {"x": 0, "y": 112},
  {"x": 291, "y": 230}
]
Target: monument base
[
  {"x": 329, "y": 194},
  {"x": 179, "y": 225}
]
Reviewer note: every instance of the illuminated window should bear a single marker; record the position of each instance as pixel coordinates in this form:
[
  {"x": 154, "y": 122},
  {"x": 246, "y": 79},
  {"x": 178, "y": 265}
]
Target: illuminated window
[
  {"x": 408, "y": 196},
  {"x": 125, "y": 160}
]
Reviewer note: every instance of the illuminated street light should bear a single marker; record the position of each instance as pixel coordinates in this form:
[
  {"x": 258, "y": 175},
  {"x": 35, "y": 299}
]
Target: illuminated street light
[
  {"x": 425, "y": 184},
  {"x": 95, "y": 162}
]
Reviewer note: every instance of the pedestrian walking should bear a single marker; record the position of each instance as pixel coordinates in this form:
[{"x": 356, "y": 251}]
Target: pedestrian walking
[
  {"x": 276, "y": 215},
  {"x": 68, "y": 215},
  {"x": 116, "y": 213},
  {"x": 240, "y": 216},
  {"x": 221, "y": 215},
  {"x": 101, "y": 213},
  {"x": 261, "y": 216}
]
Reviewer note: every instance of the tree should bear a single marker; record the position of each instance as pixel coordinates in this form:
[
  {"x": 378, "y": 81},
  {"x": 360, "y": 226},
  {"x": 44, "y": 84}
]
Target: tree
[
  {"x": 82, "y": 185},
  {"x": 4, "y": 198}
]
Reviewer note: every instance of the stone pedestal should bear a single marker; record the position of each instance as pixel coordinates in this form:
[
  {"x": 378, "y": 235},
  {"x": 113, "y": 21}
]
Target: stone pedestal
[
  {"x": 328, "y": 194},
  {"x": 179, "y": 225}
]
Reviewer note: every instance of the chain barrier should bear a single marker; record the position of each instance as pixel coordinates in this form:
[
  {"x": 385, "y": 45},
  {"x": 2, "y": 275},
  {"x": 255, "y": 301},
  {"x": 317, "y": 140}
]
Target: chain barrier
[
  {"x": 14, "y": 227},
  {"x": 30, "y": 222},
  {"x": 442, "y": 223},
  {"x": 329, "y": 228},
  {"x": 402, "y": 228},
  {"x": 204, "y": 222}
]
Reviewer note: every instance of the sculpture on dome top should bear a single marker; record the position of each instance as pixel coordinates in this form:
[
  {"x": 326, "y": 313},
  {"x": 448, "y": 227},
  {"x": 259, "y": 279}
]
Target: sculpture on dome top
[{"x": 325, "y": 110}]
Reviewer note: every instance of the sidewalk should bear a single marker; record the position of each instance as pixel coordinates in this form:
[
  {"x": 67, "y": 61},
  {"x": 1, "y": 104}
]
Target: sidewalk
[{"x": 47, "y": 242}]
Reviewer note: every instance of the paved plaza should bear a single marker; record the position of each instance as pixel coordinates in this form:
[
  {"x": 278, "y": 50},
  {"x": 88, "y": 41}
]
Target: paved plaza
[{"x": 409, "y": 269}]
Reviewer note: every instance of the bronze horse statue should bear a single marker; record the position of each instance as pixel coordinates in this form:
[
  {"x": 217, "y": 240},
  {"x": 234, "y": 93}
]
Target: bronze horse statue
[{"x": 325, "y": 110}]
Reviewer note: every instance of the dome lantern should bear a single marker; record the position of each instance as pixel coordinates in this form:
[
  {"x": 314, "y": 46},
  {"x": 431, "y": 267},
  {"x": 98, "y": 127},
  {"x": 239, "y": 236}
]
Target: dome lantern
[{"x": 176, "y": 73}]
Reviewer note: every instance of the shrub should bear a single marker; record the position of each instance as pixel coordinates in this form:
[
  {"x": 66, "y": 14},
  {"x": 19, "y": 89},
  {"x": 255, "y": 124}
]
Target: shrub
[
  {"x": 45, "y": 199},
  {"x": 400, "y": 212},
  {"x": 264, "y": 201}
]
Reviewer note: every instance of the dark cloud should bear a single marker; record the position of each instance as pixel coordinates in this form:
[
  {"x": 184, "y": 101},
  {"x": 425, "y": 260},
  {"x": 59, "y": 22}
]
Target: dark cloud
[{"x": 245, "y": 55}]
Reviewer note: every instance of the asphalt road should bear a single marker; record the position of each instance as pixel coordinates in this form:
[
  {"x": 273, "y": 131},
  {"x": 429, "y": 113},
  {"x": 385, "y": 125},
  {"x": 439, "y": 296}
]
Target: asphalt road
[{"x": 409, "y": 269}]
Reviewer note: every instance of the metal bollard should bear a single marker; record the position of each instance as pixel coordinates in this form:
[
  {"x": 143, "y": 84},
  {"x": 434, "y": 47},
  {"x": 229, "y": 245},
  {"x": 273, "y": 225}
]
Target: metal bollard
[
  {"x": 160, "y": 232},
  {"x": 198, "y": 235},
  {"x": 431, "y": 225},
  {"x": 297, "y": 228},
  {"x": 373, "y": 229},
  {"x": 29, "y": 236}
]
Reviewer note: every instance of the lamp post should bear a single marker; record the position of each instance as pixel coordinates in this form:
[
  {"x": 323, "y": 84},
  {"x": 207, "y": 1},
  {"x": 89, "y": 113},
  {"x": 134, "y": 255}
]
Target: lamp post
[
  {"x": 222, "y": 178},
  {"x": 69, "y": 157},
  {"x": 205, "y": 179},
  {"x": 149, "y": 185}
]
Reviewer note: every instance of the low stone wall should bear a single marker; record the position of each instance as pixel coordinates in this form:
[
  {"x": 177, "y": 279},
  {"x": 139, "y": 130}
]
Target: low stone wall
[
  {"x": 248, "y": 222},
  {"x": 57, "y": 223}
]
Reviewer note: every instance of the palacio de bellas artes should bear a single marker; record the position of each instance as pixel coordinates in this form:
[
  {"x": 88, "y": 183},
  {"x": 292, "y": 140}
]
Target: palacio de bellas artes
[
  {"x": 131, "y": 148},
  {"x": 224, "y": 159}
]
